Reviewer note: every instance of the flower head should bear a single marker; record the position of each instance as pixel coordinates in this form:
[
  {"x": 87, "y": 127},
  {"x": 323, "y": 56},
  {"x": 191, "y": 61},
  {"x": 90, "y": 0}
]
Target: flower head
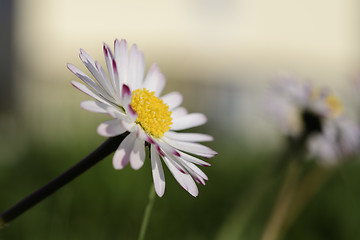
[
  {"x": 133, "y": 100},
  {"x": 300, "y": 109},
  {"x": 339, "y": 139},
  {"x": 314, "y": 115}
]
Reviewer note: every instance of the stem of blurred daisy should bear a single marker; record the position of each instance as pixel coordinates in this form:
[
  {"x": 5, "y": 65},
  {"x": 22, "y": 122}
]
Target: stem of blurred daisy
[
  {"x": 274, "y": 226},
  {"x": 106, "y": 148},
  {"x": 241, "y": 216},
  {"x": 307, "y": 188},
  {"x": 296, "y": 192}
]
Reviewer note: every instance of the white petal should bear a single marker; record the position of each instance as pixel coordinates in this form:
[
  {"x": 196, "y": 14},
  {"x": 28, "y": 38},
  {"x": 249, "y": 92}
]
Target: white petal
[
  {"x": 129, "y": 126},
  {"x": 137, "y": 155},
  {"x": 91, "y": 65},
  {"x": 116, "y": 113},
  {"x": 157, "y": 173},
  {"x": 94, "y": 106},
  {"x": 122, "y": 154},
  {"x": 189, "y": 158},
  {"x": 125, "y": 94},
  {"x": 176, "y": 162},
  {"x": 189, "y": 137},
  {"x": 111, "y": 128},
  {"x": 185, "y": 180},
  {"x": 155, "y": 80},
  {"x": 188, "y": 167},
  {"x": 165, "y": 147},
  {"x": 196, "y": 170},
  {"x": 121, "y": 58},
  {"x": 109, "y": 63},
  {"x": 188, "y": 121},
  {"x": 107, "y": 81},
  {"x": 89, "y": 81},
  {"x": 126, "y": 102},
  {"x": 136, "y": 67},
  {"x": 194, "y": 148},
  {"x": 141, "y": 134},
  {"x": 89, "y": 91},
  {"x": 179, "y": 112},
  {"x": 173, "y": 99}
]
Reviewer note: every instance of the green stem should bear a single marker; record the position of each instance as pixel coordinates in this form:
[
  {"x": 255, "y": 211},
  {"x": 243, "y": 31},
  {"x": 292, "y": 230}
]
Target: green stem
[
  {"x": 146, "y": 218},
  {"x": 309, "y": 185},
  {"x": 2, "y": 223},
  {"x": 273, "y": 229}
]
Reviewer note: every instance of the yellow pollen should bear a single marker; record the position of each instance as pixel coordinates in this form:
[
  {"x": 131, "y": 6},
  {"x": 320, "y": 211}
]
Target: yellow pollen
[
  {"x": 334, "y": 104},
  {"x": 153, "y": 114}
]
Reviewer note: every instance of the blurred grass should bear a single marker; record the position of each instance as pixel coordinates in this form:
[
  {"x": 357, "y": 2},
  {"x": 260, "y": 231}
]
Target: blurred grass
[{"x": 107, "y": 204}]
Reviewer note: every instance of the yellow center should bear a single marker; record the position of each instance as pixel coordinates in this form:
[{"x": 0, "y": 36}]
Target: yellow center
[
  {"x": 153, "y": 114},
  {"x": 334, "y": 104}
]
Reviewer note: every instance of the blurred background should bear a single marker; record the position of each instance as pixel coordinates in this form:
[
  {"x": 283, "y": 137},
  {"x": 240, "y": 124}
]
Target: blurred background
[{"x": 221, "y": 55}]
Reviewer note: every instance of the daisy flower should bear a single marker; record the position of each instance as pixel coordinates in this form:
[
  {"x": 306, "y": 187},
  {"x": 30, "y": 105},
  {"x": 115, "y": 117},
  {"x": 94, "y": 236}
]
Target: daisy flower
[
  {"x": 134, "y": 101},
  {"x": 339, "y": 140},
  {"x": 301, "y": 109},
  {"x": 306, "y": 112}
]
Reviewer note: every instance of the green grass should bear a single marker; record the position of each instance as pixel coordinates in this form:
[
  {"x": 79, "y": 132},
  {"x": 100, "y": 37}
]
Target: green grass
[{"x": 107, "y": 204}]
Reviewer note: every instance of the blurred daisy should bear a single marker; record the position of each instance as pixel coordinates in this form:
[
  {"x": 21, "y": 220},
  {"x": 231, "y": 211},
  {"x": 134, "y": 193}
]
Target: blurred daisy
[
  {"x": 314, "y": 115},
  {"x": 339, "y": 140},
  {"x": 300, "y": 109},
  {"x": 133, "y": 100}
]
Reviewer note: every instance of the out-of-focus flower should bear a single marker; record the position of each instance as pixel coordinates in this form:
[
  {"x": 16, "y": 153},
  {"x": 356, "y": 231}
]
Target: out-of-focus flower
[
  {"x": 307, "y": 113},
  {"x": 339, "y": 139},
  {"x": 134, "y": 101}
]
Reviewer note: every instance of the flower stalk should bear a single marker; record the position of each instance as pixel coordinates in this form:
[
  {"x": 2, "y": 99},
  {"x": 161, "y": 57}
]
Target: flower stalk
[
  {"x": 306, "y": 189},
  {"x": 106, "y": 148},
  {"x": 147, "y": 214},
  {"x": 274, "y": 227}
]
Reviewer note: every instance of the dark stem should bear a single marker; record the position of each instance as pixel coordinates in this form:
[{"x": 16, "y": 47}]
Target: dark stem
[{"x": 106, "y": 148}]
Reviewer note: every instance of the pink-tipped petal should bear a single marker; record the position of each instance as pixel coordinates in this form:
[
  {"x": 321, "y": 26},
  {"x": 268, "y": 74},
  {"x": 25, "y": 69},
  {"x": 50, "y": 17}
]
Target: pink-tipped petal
[
  {"x": 109, "y": 64},
  {"x": 131, "y": 112},
  {"x": 137, "y": 155},
  {"x": 125, "y": 94},
  {"x": 121, "y": 58},
  {"x": 195, "y": 171},
  {"x": 193, "y": 159},
  {"x": 190, "y": 147},
  {"x": 94, "y": 106},
  {"x": 111, "y": 128},
  {"x": 185, "y": 180},
  {"x": 122, "y": 154},
  {"x": 91, "y": 66},
  {"x": 188, "y": 121},
  {"x": 88, "y": 91},
  {"x": 89, "y": 81},
  {"x": 157, "y": 173},
  {"x": 116, "y": 76}
]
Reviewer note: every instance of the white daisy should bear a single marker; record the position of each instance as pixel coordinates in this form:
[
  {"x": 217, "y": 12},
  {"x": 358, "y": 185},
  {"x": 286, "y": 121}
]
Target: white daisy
[
  {"x": 305, "y": 112},
  {"x": 299, "y": 107},
  {"x": 339, "y": 140},
  {"x": 133, "y": 100}
]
